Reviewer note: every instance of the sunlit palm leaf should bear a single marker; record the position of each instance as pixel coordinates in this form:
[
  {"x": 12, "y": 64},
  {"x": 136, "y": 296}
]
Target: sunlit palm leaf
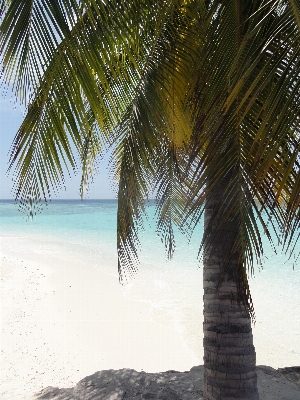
[
  {"x": 92, "y": 64},
  {"x": 246, "y": 105},
  {"x": 190, "y": 93}
]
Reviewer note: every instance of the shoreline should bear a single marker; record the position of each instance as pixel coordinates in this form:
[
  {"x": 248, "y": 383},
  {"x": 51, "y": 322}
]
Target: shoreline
[
  {"x": 62, "y": 320},
  {"x": 61, "y": 324}
]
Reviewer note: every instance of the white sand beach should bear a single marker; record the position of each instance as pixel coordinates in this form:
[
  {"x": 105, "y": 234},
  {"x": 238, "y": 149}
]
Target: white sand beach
[
  {"x": 63, "y": 320},
  {"x": 62, "y": 323}
]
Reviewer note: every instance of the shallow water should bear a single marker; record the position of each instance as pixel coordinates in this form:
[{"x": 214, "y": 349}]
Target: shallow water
[{"x": 86, "y": 232}]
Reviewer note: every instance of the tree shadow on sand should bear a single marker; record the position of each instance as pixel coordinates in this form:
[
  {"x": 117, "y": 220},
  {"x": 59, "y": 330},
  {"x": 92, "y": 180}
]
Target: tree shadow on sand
[{"x": 170, "y": 385}]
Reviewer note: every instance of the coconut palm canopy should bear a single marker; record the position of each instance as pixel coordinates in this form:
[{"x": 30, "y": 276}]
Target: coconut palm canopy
[
  {"x": 172, "y": 85},
  {"x": 195, "y": 97}
]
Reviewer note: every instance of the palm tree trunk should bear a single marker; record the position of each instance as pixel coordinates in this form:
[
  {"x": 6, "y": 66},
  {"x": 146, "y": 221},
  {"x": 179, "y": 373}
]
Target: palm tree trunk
[{"x": 229, "y": 354}]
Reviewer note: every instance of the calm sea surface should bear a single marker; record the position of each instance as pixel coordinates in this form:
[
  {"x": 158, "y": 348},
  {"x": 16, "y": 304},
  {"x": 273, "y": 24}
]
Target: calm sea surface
[
  {"x": 93, "y": 223},
  {"x": 86, "y": 232}
]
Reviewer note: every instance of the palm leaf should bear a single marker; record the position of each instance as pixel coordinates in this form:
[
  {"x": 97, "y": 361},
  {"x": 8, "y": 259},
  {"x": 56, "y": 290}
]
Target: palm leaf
[{"x": 92, "y": 64}]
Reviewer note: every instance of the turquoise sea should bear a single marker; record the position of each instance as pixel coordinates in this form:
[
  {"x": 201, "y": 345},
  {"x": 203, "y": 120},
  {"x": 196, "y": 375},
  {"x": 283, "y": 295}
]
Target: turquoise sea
[{"x": 85, "y": 231}]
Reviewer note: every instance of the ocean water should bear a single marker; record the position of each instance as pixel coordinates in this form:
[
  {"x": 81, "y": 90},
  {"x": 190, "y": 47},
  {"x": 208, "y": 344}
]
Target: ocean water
[{"x": 86, "y": 233}]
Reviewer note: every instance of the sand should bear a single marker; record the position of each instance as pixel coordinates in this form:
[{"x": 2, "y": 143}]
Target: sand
[
  {"x": 62, "y": 321},
  {"x": 62, "y": 324},
  {"x": 170, "y": 385}
]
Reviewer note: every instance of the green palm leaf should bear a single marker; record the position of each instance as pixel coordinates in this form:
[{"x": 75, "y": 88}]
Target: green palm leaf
[{"x": 200, "y": 101}]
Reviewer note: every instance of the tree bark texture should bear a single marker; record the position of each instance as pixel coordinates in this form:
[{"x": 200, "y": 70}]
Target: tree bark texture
[{"x": 229, "y": 354}]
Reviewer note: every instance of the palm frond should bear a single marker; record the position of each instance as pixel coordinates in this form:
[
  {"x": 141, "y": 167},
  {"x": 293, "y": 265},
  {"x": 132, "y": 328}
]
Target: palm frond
[
  {"x": 93, "y": 63},
  {"x": 169, "y": 195},
  {"x": 160, "y": 115},
  {"x": 246, "y": 120},
  {"x": 193, "y": 95},
  {"x": 134, "y": 171},
  {"x": 91, "y": 150}
]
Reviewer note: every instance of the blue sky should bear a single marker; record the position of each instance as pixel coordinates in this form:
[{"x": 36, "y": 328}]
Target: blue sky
[{"x": 10, "y": 120}]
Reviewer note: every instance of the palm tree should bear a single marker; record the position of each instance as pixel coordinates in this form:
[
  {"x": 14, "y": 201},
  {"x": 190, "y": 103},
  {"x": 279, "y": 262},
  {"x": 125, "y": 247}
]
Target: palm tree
[{"x": 200, "y": 101}]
